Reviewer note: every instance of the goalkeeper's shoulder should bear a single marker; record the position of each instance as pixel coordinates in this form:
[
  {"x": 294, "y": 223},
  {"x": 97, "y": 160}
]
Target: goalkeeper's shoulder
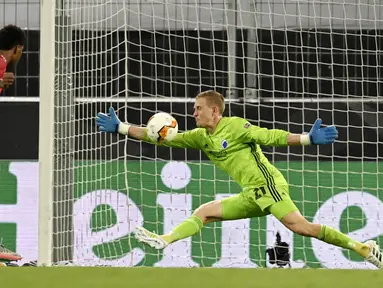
[
  {"x": 188, "y": 139},
  {"x": 237, "y": 122},
  {"x": 193, "y": 133},
  {"x": 243, "y": 124}
]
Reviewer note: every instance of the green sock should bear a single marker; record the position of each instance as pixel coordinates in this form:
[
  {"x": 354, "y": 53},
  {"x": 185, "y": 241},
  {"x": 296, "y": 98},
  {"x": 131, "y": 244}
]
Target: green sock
[
  {"x": 334, "y": 237},
  {"x": 187, "y": 228}
]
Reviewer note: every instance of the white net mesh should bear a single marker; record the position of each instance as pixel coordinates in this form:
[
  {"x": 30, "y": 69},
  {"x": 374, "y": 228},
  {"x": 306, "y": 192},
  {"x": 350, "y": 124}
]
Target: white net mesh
[{"x": 280, "y": 64}]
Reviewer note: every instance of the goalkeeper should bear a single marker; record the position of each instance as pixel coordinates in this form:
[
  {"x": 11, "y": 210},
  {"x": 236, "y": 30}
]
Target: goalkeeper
[{"x": 232, "y": 144}]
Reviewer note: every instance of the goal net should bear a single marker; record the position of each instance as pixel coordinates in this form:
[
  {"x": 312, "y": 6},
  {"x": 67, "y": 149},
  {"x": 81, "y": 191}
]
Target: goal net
[{"x": 279, "y": 64}]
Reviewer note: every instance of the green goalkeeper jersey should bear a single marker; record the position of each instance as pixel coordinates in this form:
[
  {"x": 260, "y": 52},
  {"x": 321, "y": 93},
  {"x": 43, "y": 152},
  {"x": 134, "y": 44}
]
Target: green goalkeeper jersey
[{"x": 234, "y": 148}]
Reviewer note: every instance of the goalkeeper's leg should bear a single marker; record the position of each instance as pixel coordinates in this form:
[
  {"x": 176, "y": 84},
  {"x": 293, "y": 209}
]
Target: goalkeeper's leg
[
  {"x": 286, "y": 212},
  {"x": 232, "y": 208},
  {"x": 209, "y": 212}
]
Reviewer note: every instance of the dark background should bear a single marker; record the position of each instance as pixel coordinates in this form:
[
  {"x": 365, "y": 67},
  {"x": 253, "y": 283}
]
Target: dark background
[{"x": 293, "y": 64}]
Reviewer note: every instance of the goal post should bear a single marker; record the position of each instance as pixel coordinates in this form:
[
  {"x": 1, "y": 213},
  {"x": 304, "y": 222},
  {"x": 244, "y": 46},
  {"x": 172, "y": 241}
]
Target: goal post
[
  {"x": 46, "y": 130},
  {"x": 279, "y": 64},
  {"x": 56, "y": 147}
]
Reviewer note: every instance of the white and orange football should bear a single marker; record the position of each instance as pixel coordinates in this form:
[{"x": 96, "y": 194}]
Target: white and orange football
[{"x": 162, "y": 126}]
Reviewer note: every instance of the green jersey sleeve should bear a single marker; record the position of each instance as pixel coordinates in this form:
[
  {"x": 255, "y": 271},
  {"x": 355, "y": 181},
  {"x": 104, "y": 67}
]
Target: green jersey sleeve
[
  {"x": 191, "y": 139},
  {"x": 262, "y": 136}
]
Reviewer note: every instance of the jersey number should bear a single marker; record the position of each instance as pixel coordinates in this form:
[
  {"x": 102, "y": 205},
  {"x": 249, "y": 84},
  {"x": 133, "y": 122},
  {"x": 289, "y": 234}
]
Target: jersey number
[{"x": 259, "y": 192}]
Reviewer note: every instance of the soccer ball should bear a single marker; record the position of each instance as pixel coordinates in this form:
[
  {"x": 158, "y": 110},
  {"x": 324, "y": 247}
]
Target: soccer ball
[{"x": 162, "y": 126}]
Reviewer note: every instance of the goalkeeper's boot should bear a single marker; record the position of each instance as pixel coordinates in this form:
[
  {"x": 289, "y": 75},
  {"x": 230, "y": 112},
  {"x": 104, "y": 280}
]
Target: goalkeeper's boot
[
  {"x": 375, "y": 256},
  {"x": 149, "y": 238},
  {"x": 8, "y": 255}
]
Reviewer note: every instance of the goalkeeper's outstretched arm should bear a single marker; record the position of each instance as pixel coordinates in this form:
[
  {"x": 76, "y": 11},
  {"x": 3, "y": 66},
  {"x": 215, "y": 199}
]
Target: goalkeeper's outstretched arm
[
  {"x": 189, "y": 139},
  {"x": 318, "y": 135},
  {"x": 110, "y": 123},
  {"x": 132, "y": 131}
]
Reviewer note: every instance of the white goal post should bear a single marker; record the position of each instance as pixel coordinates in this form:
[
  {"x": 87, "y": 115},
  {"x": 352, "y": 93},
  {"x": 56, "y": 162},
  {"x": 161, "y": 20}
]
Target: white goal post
[
  {"x": 46, "y": 129},
  {"x": 279, "y": 63}
]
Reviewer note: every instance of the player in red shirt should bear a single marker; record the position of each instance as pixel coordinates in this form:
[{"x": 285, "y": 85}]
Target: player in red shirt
[{"x": 12, "y": 40}]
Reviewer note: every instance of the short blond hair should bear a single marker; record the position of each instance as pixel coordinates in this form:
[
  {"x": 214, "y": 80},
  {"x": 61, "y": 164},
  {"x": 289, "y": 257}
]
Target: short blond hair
[{"x": 213, "y": 98}]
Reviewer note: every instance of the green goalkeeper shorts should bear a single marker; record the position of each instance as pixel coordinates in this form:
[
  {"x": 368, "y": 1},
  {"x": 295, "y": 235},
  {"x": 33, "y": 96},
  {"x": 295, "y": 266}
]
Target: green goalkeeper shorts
[{"x": 258, "y": 202}]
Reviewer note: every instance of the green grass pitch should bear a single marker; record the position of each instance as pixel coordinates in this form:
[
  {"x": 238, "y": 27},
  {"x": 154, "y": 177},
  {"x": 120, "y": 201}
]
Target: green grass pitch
[{"x": 73, "y": 277}]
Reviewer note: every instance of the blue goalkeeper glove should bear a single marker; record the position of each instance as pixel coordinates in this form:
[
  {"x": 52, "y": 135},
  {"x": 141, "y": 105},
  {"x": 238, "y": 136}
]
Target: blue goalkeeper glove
[
  {"x": 108, "y": 122},
  {"x": 325, "y": 135}
]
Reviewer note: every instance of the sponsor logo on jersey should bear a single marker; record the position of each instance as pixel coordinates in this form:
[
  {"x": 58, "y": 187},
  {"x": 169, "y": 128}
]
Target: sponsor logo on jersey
[
  {"x": 247, "y": 125},
  {"x": 224, "y": 144}
]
